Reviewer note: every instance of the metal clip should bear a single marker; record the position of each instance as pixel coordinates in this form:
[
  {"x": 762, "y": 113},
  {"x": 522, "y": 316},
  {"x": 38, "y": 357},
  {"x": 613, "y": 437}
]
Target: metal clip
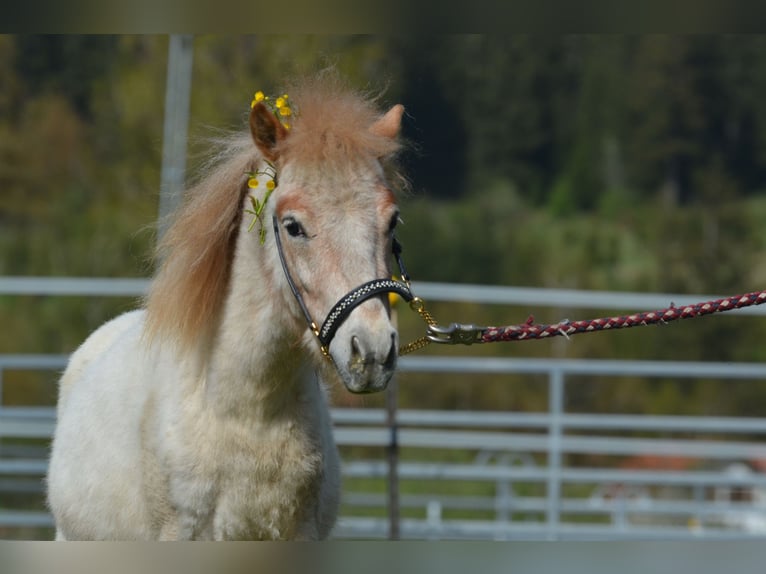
[{"x": 455, "y": 334}]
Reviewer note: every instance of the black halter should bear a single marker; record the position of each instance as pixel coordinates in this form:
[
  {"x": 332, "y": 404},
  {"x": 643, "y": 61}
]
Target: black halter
[{"x": 351, "y": 300}]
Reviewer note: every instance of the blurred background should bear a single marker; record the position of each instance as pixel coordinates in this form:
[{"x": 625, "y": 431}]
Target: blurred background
[{"x": 619, "y": 163}]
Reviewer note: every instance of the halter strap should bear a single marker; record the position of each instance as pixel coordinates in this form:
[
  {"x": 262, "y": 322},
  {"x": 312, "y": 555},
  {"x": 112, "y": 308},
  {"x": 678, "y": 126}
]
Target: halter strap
[
  {"x": 343, "y": 308},
  {"x": 289, "y": 278}
]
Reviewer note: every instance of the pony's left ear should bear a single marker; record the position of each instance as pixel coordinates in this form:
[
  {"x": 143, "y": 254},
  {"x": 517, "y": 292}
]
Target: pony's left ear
[
  {"x": 267, "y": 130},
  {"x": 389, "y": 125}
]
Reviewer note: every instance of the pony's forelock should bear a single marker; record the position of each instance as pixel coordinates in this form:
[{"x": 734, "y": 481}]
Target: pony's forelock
[{"x": 332, "y": 124}]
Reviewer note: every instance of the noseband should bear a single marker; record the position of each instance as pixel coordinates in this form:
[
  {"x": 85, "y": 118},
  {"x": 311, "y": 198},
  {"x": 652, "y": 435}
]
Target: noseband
[{"x": 343, "y": 308}]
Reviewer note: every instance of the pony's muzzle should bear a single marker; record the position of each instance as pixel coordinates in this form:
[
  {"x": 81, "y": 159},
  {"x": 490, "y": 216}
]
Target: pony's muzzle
[{"x": 371, "y": 362}]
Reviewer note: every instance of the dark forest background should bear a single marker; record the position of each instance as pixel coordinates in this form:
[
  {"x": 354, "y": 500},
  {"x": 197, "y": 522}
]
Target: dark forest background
[{"x": 632, "y": 163}]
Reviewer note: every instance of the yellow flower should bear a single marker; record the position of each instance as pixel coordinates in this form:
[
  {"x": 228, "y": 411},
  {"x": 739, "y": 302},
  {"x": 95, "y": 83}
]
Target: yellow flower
[
  {"x": 258, "y": 97},
  {"x": 279, "y": 105},
  {"x": 252, "y": 182},
  {"x": 270, "y": 184}
]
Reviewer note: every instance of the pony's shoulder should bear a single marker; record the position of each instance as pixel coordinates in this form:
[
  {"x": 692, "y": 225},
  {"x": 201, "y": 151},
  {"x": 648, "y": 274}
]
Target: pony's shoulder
[
  {"x": 95, "y": 345},
  {"x": 104, "y": 337},
  {"x": 106, "y": 333}
]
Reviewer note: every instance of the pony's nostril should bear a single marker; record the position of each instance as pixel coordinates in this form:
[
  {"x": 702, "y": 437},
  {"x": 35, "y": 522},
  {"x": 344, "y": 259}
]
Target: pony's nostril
[
  {"x": 356, "y": 352},
  {"x": 392, "y": 353}
]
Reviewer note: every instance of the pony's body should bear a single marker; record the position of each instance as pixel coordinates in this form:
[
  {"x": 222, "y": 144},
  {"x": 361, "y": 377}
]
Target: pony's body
[
  {"x": 176, "y": 468},
  {"x": 205, "y": 416}
]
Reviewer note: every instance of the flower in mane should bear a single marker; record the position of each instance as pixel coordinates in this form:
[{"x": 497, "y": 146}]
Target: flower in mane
[
  {"x": 270, "y": 175},
  {"x": 281, "y": 109}
]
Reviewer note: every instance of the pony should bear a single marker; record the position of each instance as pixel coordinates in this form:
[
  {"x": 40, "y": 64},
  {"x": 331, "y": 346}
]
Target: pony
[{"x": 204, "y": 413}]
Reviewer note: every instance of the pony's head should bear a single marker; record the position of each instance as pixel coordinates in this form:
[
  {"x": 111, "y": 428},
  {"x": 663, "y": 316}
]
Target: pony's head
[
  {"x": 334, "y": 216},
  {"x": 333, "y": 212}
]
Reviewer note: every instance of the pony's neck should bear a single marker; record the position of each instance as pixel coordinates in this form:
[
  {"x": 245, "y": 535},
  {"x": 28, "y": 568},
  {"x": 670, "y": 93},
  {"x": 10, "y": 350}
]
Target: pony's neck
[{"x": 258, "y": 359}]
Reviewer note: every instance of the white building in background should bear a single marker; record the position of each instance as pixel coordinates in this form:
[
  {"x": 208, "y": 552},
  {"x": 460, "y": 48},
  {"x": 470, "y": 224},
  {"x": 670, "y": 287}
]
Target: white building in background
[{"x": 751, "y": 519}]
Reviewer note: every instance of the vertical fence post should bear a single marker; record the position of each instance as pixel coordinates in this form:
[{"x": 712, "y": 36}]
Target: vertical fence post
[
  {"x": 393, "y": 462},
  {"x": 393, "y": 449},
  {"x": 555, "y": 412},
  {"x": 503, "y": 497},
  {"x": 174, "y": 136}
]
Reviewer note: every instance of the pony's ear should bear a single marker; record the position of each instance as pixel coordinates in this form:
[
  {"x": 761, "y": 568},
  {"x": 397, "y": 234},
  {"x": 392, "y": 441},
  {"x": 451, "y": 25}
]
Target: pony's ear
[
  {"x": 388, "y": 126},
  {"x": 267, "y": 130}
]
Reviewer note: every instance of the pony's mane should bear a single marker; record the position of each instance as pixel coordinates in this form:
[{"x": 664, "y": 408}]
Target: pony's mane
[{"x": 196, "y": 253}]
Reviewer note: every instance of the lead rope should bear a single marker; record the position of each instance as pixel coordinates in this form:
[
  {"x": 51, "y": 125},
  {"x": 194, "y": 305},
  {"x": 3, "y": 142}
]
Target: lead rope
[
  {"x": 457, "y": 333},
  {"x": 530, "y": 330}
]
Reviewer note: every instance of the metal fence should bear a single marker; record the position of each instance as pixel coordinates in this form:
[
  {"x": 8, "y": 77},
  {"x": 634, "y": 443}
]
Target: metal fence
[
  {"x": 718, "y": 496},
  {"x": 488, "y": 475}
]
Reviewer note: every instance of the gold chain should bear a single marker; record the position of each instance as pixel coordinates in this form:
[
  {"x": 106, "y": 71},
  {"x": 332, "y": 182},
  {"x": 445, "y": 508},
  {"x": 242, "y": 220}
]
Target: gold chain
[{"x": 419, "y": 307}]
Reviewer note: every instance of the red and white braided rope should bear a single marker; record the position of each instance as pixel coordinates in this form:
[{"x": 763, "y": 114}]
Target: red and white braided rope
[{"x": 530, "y": 330}]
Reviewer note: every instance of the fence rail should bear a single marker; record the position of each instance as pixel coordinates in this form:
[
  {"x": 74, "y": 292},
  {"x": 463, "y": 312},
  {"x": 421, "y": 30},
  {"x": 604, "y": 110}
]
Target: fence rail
[
  {"x": 433, "y": 291},
  {"x": 490, "y": 475}
]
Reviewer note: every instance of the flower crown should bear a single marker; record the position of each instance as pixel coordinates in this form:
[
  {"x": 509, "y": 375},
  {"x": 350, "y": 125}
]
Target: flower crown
[{"x": 282, "y": 110}]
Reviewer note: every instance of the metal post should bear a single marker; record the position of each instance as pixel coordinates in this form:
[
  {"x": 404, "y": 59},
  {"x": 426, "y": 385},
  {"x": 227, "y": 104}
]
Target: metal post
[
  {"x": 393, "y": 462},
  {"x": 393, "y": 452},
  {"x": 503, "y": 498},
  {"x": 177, "y": 96},
  {"x": 555, "y": 411}
]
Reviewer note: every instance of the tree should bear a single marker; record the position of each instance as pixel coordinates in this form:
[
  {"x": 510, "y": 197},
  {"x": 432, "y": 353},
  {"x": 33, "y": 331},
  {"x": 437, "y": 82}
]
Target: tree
[
  {"x": 66, "y": 65},
  {"x": 675, "y": 112}
]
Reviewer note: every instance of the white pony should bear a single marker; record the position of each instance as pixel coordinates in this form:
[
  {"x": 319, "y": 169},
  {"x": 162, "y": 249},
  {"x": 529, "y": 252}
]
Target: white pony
[{"x": 204, "y": 415}]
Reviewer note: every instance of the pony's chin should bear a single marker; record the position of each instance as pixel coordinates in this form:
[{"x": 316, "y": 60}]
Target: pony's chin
[{"x": 367, "y": 382}]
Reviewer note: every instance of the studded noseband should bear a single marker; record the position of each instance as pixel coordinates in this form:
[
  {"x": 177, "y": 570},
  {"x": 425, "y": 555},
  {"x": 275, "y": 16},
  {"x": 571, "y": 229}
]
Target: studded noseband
[{"x": 343, "y": 308}]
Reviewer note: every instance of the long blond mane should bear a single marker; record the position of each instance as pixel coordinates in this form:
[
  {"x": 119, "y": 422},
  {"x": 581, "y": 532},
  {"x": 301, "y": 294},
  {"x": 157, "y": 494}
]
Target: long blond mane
[{"x": 186, "y": 297}]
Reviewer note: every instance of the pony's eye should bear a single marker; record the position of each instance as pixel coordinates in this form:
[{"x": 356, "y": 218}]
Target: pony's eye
[
  {"x": 394, "y": 220},
  {"x": 294, "y": 229}
]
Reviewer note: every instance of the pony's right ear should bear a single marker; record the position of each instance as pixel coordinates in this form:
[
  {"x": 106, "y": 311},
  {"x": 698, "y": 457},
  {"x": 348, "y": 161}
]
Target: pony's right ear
[{"x": 267, "y": 130}]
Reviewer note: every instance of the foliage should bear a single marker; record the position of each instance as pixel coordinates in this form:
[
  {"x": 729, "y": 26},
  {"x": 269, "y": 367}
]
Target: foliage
[{"x": 591, "y": 162}]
